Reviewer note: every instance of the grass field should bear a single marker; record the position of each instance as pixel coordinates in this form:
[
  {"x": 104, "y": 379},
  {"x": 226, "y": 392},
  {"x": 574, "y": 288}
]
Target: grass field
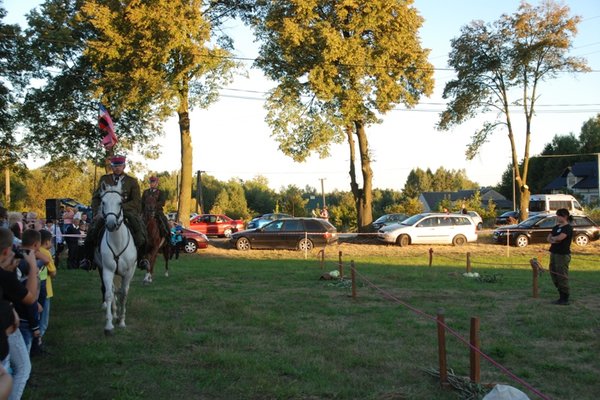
[{"x": 261, "y": 325}]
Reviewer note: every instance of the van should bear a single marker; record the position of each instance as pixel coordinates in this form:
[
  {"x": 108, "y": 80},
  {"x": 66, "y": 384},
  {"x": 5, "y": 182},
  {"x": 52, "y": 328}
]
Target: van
[{"x": 549, "y": 203}]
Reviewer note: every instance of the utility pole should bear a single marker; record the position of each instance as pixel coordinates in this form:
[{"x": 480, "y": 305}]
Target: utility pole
[
  {"x": 199, "y": 199},
  {"x": 323, "y": 191}
]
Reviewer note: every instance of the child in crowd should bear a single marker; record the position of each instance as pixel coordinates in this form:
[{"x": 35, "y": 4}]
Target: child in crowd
[
  {"x": 29, "y": 316},
  {"x": 46, "y": 292},
  {"x": 176, "y": 239}
]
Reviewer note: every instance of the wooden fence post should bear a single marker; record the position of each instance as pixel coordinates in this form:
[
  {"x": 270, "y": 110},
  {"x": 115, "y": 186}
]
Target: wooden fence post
[
  {"x": 430, "y": 256},
  {"x": 535, "y": 267},
  {"x": 468, "y": 261},
  {"x": 322, "y": 254},
  {"x": 441, "y": 333},
  {"x": 341, "y": 265},
  {"x": 475, "y": 356},
  {"x": 353, "y": 275}
]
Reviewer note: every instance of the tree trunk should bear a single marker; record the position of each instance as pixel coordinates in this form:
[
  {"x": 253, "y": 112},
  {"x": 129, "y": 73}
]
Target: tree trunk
[
  {"x": 185, "y": 188},
  {"x": 363, "y": 198},
  {"x": 6, "y": 188}
]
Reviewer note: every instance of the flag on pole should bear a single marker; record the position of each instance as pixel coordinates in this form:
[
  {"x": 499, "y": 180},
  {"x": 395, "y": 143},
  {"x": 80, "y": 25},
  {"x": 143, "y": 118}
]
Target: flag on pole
[{"x": 106, "y": 125}]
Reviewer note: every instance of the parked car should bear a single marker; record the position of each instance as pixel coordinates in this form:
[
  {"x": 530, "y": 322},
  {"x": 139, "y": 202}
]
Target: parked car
[
  {"x": 476, "y": 218},
  {"x": 173, "y": 215},
  {"x": 216, "y": 225},
  {"x": 431, "y": 228},
  {"x": 388, "y": 219},
  {"x": 505, "y": 218},
  {"x": 288, "y": 233},
  {"x": 264, "y": 219},
  {"x": 536, "y": 229},
  {"x": 193, "y": 240}
]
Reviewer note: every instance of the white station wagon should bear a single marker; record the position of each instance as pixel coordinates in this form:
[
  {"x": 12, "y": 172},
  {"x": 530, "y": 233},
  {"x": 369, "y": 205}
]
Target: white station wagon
[{"x": 431, "y": 228}]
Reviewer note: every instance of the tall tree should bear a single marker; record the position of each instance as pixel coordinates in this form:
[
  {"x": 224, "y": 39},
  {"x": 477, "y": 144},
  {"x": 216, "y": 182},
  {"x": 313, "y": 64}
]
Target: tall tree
[
  {"x": 509, "y": 58},
  {"x": 11, "y": 153},
  {"x": 157, "y": 57},
  {"x": 417, "y": 182},
  {"x": 589, "y": 137},
  {"x": 338, "y": 66},
  {"x": 60, "y": 110}
]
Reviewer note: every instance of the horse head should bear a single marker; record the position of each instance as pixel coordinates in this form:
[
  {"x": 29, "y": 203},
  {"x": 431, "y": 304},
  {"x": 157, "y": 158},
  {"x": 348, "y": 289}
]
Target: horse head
[{"x": 112, "y": 210}]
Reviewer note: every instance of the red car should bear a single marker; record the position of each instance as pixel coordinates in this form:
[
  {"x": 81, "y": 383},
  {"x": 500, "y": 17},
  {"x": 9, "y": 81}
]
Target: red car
[
  {"x": 193, "y": 241},
  {"x": 216, "y": 224}
]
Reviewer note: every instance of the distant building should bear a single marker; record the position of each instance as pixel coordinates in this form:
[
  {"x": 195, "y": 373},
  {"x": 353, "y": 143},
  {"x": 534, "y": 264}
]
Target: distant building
[
  {"x": 581, "y": 179},
  {"x": 431, "y": 200}
]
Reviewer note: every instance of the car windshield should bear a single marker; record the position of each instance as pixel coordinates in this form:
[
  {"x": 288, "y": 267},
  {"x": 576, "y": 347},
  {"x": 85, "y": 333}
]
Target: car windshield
[
  {"x": 381, "y": 219},
  {"x": 412, "y": 220},
  {"x": 529, "y": 222}
]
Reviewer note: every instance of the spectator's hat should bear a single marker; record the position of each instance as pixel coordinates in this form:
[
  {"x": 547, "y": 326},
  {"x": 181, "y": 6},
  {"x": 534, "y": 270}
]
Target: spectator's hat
[
  {"x": 117, "y": 160},
  {"x": 153, "y": 179}
]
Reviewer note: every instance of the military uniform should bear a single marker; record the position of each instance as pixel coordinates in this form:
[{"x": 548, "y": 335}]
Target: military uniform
[
  {"x": 159, "y": 200},
  {"x": 130, "y": 190}
]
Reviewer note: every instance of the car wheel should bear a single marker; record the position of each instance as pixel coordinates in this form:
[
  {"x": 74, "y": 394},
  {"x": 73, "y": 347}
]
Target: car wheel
[
  {"x": 242, "y": 244},
  {"x": 479, "y": 226},
  {"x": 227, "y": 232},
  {"x": 581, "y": 240},
  {"x": 459, "y": 240},
  {"x": 305, "y": 245},
  {"x": 403, "y": 240},
  {"x": 190, "y": 246},
  {"x": 521, "y": 241}
]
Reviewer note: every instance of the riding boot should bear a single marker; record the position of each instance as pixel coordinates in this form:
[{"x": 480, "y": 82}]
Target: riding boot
[
  {"x": 86, "y": 262},
  {"x": 143, "y": 262}
]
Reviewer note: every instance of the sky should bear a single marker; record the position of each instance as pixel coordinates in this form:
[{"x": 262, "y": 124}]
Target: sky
[{"x": 231, "y": 140}]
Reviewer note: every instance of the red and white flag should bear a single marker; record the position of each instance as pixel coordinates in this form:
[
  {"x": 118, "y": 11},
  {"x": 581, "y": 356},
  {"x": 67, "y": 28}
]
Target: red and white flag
[{"x": 106, "y": 125}]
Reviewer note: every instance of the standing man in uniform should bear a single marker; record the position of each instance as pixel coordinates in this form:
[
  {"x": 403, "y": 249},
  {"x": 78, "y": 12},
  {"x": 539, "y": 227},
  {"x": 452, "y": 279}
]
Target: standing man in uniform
[
  {"x": 132, "y": 207},
  {"x": 560, "y": 254},
  {"x": 159, "y": 202}
]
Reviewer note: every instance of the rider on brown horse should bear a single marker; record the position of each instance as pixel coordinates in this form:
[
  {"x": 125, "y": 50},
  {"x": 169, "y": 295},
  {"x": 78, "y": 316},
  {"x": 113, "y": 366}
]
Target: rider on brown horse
[{"x": 156, "y": 203}]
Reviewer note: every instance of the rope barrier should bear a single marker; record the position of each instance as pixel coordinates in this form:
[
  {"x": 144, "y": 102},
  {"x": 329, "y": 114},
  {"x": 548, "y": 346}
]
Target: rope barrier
[{"x": 454, "y": 333}]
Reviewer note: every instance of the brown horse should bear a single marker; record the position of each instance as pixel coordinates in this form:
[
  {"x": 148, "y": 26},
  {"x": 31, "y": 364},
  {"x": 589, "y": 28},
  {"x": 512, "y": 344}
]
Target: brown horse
[{"x": 156, "y": 241}]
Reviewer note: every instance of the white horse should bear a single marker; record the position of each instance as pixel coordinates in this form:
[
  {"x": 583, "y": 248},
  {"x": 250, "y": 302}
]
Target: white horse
[{"x": 116, "y": 255}]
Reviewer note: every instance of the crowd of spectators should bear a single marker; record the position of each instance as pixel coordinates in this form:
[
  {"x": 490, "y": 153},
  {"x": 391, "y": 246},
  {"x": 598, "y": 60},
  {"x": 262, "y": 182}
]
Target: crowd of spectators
[{"x": 30, "y": 252}]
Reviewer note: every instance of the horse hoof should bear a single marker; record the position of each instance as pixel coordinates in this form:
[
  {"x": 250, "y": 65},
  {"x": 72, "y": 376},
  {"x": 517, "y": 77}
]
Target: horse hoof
[
  {"x": 108, "y": 332},
  {"x": 167, "y": 274}
]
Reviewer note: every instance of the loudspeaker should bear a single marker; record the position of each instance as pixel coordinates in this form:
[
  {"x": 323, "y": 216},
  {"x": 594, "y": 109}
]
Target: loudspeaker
[{"x": 53, "y": 209}]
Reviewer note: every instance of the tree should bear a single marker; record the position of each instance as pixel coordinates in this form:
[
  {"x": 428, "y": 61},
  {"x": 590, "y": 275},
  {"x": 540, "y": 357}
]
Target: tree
[
  {"x": 417, "y": 182},
  {"x": 157, "y": 57},
  {"x": 59, "y": 110},
  {"x": 510, "y": 57},
  {"x": 11, "y": 153},
  {"x": 589, "y": 137},
  {"x": 292, "y": 201},
  {"x": 338, "y": 65},
  {"x": 260, "y": 198}
]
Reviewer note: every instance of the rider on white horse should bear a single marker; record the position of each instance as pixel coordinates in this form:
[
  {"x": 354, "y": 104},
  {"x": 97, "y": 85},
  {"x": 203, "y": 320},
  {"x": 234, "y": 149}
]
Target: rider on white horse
[{"x": 130, "y": 190}]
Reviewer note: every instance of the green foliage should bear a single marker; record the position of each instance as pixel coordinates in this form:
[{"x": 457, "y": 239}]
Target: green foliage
[
  {"x": 589, "y": 137},
  {"x": 10, "y": 150},
  {"x": 443, "y": 180},
  {"x": 260, "y": 198},
  {"x": 343, "y": 214},
  {"x": 509, "y": 57},
  {"x": 292, "y": 201}
]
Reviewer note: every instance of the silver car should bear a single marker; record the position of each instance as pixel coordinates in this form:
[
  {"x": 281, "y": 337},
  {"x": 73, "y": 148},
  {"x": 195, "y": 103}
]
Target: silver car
[{"x": 431, "y": 228}]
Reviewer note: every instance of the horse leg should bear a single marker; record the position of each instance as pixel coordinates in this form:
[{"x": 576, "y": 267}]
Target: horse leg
[
  {"x": 123, "y": 292},
  {"x": 165, "y": 250},
  {"x": 107, "y": 278}
]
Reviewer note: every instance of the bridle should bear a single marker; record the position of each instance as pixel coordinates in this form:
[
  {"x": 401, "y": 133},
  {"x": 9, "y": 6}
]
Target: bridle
[
  {"x": 118, "y": 216},
  {"x": 120, "y": 219}
]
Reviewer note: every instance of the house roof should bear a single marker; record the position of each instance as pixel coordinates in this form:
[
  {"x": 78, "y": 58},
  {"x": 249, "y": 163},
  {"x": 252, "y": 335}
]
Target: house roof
[
  {"x": 432, "y": 199},
  {"x": 587, "y": 171}
]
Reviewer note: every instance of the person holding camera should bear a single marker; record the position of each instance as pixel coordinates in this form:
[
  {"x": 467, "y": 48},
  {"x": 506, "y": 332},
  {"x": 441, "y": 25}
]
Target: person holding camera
[{"x": 18, "y": 294}]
